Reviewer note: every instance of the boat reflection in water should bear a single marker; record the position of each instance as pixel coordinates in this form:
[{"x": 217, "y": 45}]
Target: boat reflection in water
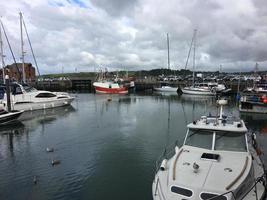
[{"x": 29, "y": 121}]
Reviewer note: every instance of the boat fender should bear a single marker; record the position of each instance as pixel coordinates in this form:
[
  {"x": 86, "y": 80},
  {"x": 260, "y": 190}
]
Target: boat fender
[
  {"x": 254, "y": 141},
  {"x": 177, "y": 149},
  {"x": 163, "y": 165}
]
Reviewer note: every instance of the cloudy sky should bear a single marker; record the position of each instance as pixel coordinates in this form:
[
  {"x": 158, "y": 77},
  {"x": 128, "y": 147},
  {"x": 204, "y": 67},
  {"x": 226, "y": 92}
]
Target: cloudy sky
[{"x": 83, "y": 35}]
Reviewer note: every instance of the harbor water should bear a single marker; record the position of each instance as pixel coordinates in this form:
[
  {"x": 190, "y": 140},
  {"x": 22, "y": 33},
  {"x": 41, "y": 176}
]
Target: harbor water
[{"x": 107, "y": 145}]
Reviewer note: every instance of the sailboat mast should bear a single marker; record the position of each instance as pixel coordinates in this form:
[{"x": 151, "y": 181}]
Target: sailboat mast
[
  {"x": 194, "y": 56},
  {"x": 168, "y": 46},
  {"x": 22, "y": 49},
  {"x": 2, "y": 55}
]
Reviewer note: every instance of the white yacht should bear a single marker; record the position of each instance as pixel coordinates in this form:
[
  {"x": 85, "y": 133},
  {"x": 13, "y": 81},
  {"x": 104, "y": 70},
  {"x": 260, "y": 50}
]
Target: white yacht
[
  {"x": 198, "y": 90},
  {"x": 24, "y": 97},
  {"x": 218, "y": 160}
]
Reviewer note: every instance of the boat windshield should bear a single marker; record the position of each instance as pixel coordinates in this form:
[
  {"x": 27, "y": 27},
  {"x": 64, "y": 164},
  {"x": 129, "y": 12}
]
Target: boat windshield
[
  {"x": 200, "y": 138},
  {"x": 28, "y": 88},
  {"x": 227, "y": 141},
  {"x": 224, "y": 141}
]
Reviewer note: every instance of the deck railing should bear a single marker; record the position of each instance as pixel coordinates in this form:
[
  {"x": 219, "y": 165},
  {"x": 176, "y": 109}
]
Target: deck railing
[{"x": 258, "y": 180}]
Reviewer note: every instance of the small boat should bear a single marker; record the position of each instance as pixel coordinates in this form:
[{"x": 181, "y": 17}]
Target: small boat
[
  {"x": 8, "y": 117},
  {"x": 110, "y": 87},
  {"x": 25, "y": 97},
  {"x": 253, "y": 103},
  {"x": 166, "y": 89},
  {"x": 218, "y": 160}
]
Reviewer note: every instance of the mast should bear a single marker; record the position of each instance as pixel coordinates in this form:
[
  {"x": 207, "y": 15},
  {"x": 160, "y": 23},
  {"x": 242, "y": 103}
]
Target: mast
[
  {"x": 255, "y": 75},
  {"x": 194, "y": 56},
  {"x": 2, "y": 56},
  {"x": 168, "y": 46},
  {"x": 22, "y": 50}
]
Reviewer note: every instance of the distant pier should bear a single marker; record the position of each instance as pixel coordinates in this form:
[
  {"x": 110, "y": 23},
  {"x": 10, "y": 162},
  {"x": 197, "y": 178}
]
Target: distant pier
[{"x": 86, "y": 84}]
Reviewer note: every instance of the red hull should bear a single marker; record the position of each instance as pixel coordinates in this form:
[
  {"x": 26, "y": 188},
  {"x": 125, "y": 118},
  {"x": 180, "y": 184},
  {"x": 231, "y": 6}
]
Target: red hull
[{"x": 102, "y": 90}]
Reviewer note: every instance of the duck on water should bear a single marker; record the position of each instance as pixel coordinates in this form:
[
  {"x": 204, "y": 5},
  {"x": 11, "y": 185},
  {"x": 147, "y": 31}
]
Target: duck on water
[{"x": 218, "y": 160}]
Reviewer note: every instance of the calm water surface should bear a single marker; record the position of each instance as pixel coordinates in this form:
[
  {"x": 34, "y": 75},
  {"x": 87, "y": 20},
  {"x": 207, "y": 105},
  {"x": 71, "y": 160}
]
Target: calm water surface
[{"x": 107, "y": 149}]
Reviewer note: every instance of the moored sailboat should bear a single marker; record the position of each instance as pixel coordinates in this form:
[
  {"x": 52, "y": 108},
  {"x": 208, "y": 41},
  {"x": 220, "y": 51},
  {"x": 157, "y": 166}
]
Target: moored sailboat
[{"x": 195, "y": 89}]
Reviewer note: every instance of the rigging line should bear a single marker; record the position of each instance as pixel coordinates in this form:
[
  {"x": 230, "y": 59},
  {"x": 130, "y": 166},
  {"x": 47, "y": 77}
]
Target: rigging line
[
  {"x": 184, "y": 112},
  {"x": 26, "y": 31},
  {"x": 168, "y": 124},
  {"x": 189, "y": 52},
  {"x": 11, "y": 51}
]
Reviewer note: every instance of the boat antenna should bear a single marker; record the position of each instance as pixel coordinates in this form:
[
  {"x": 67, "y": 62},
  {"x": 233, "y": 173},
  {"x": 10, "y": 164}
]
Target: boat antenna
[
  {"x": 168, "y": 46},
  {"x": 30, "y": 44},
  {"x": 255, "y": 74},
  {"x": 11, "y": 51}
]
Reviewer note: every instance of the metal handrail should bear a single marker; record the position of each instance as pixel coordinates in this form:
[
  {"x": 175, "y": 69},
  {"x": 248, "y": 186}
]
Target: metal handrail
[{"x": 256, "y": 182}]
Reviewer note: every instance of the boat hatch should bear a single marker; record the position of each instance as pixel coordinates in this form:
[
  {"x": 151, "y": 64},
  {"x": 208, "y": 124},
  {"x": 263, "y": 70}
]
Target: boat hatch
[
  {"x": 210, "y": 156},
  {"x": 181, "y": 191},
  {"x": 206, "y": 196}
]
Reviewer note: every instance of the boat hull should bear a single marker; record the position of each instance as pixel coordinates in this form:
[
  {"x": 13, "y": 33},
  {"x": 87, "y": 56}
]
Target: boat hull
[
  {"x": 29, "y": 106},
  {"x": 169, "y": 89},
  {"x": 253, "y": 107},
  {"x": 198, "y": 92},
  {"x": 102, "y": 90},
  {"x": 10, "y": 117}
]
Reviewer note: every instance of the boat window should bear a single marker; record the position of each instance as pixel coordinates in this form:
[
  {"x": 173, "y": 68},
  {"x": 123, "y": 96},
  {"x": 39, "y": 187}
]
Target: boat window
[
  {"x": 28, "y": 88},
  {"x": 181, "y": 191},
  {"x": 17, "y": 90},
  {"x": 228, "y": 141},
  {"x": 45, "y": 95},
  {"x": 199, "y": 138},
  {"x": 206, "y": 196}
]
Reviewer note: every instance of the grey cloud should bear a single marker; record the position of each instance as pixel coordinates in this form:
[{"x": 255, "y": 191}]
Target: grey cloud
[
  {"x": 132, "y": 34},
  {"x": 116, "y": 7}
]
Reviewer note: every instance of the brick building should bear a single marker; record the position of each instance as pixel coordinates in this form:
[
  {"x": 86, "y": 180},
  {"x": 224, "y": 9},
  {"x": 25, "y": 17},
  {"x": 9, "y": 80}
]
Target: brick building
[{"x": 14, "y": 74}]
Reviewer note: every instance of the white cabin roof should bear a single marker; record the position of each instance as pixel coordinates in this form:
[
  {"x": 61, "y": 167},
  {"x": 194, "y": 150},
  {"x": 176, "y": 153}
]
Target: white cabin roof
[{"x": 212, "y": 123}]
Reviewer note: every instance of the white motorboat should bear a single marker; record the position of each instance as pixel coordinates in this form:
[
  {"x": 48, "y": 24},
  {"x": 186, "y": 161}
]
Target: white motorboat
[
  {"x": 218, "y": 160},
  {"x": 166, "y": 89},
  {"x": 24, "y": 97}
]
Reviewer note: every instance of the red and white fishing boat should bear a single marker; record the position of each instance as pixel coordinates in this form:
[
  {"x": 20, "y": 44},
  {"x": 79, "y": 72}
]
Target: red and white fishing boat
[{"x": 110, "y": 87}]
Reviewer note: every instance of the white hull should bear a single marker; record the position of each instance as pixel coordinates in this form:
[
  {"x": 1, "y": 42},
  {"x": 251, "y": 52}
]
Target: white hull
[
  {"x": 198, "y": 92},
  {"x": 42, "y": 104},
  {"x": 166, "y": 89}
]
